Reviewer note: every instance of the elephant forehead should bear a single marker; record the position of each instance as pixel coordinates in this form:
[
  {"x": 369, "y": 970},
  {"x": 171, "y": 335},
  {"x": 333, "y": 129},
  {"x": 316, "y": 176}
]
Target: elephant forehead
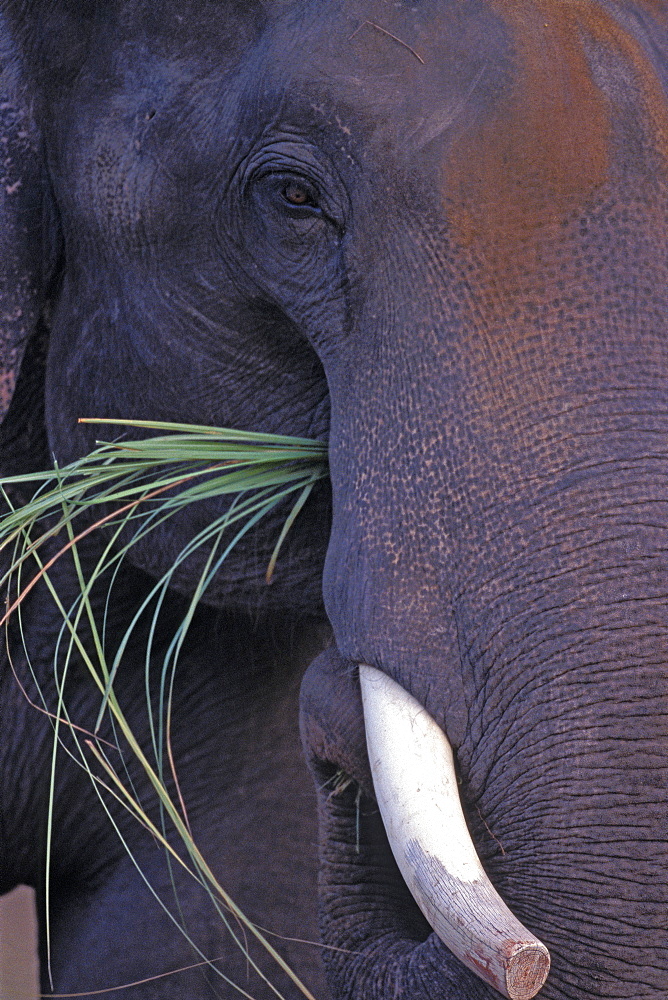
[{"x": 584, "y": 110}]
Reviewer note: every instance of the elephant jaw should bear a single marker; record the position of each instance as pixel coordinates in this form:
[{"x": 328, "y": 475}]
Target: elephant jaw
[{"x": 416, "y": 787}]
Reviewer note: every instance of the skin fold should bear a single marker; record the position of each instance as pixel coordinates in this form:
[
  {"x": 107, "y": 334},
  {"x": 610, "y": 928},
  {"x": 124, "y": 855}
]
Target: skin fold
[{"x": 434, "y": 234}]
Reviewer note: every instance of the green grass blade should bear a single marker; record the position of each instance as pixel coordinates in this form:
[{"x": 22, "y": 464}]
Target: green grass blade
[{"x": 144, "y": 483}]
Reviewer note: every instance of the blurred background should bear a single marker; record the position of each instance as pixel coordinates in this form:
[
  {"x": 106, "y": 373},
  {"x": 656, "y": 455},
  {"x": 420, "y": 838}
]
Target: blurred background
[{"x": 18, "y": 946}]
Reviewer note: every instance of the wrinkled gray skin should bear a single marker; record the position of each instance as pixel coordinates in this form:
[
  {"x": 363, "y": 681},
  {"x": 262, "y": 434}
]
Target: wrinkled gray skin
[{"x": 444, "y": 222}]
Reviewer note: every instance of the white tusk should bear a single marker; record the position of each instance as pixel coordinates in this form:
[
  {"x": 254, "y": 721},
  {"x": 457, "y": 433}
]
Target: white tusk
[{"x": 416, "y": 788}]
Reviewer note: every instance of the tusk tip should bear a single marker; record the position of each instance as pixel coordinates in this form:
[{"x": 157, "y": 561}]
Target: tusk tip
[{"x": 526, "y": 971}]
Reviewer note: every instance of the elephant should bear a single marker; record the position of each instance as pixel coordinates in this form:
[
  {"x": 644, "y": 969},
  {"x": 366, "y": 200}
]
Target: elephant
[{"x": 432, "y": 233}]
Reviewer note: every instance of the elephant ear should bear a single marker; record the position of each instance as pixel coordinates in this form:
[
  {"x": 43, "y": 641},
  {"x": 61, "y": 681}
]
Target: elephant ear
[
  {"x": 21, "y": 182},
  {"x": 29, "y": 254}
]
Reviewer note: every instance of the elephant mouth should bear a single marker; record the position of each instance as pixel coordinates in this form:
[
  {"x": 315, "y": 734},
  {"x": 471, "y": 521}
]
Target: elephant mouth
[{"x": 415, "y": 784}]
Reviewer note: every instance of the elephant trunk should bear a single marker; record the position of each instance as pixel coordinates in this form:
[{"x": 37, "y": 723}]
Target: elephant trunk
[
  {"x": 538, "y": 606},
  {"x": 499, "y": 548}
]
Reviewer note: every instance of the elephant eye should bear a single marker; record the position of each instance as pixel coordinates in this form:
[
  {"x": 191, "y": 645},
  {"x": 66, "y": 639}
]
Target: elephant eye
[
  {"x": 294, "y": 198},
  {"x": 299, "y": 195},
  {"x": 296, "y": 194}
]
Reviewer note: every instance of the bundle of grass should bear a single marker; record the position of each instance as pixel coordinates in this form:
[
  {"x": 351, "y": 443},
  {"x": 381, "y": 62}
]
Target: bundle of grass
[{"x": 129, "y": 487}]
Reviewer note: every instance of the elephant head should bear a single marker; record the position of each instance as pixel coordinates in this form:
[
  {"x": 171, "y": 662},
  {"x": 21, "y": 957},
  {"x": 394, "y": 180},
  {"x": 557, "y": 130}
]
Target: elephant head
[{"x": 434, "y": 231}]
